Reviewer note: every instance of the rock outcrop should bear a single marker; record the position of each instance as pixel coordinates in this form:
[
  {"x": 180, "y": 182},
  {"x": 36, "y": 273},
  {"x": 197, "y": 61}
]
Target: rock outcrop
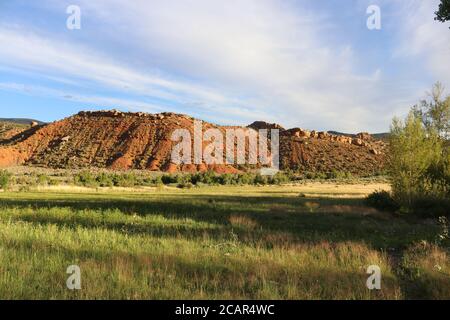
[{"x": 122, "y": 141}]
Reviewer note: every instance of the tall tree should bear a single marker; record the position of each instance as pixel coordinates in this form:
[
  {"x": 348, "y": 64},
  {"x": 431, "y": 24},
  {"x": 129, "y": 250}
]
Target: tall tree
[
  {"x": 443, "y": 14},
  {"x": 435, "y": 111},
  {"x": 413, "y": 151}
]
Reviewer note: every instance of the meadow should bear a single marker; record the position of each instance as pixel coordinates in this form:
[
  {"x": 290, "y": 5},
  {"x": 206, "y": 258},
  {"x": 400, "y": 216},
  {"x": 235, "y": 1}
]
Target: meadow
[{"x": 305, "y": 241}]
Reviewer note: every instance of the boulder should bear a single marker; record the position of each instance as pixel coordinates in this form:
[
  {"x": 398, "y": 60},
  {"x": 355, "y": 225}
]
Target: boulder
[
  {"x": 265, "y": 125},
  {"x": 299, "y": 133},
  {"x": 357, "y": 142},
  {"x": 323, "y": 135},
  {"x": 364, "y": 136},
  {"x": 306, "y": 133},
  {"x": 294, "y": 132}
]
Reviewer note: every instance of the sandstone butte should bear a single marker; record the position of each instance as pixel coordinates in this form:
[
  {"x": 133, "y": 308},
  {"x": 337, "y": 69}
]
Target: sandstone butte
[{"x": 122, "y": 141}]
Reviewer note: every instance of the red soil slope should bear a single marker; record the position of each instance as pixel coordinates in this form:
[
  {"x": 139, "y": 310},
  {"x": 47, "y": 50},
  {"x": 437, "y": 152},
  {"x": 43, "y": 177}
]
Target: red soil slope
[{"x": 117, "y": 140}]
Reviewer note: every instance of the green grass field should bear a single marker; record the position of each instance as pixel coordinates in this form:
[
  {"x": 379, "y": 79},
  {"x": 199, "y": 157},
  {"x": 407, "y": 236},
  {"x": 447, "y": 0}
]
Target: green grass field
[{"x": 274, "y": 242}]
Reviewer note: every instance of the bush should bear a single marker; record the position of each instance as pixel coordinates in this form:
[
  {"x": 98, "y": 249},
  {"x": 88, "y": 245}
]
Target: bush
[
  {"x": 5, "y": 178},
  {"x": 168, "y": 179},
  {"x": 245, "y": 178},
  {"x": 338, "y": 175},
  {"x": 226, "y": 179},
  {"x": 425, "y": 269},
  {"x": 186, "y": 185},
  {"x": 53, "y": 182},
  {"x": 260, "y": 179},
  {"x": 157, "y": 181},
  {"x": 381, "y": 200},
  {"x": 279, "y": 178},
  {"x": 208, "y": 177},
  {"x": 105, "y": 180},
  {"x": 125, "y": 180},
  {"x": 43, "y": 180},
  {"x": 85, "y": 178},
  {"x": 211, "y": 178}
]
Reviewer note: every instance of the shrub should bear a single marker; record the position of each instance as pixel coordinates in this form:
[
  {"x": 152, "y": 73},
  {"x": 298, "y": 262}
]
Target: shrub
[
  {"x": 85, "y": 178},
  {"x": 185, "y": 185},
  {"x": 157, "y": 181},
  {"x": 315, "y": 175},
  {"x": 43, "y": 180},
  {"x": 126, "y": 180},
  {"x": 105, "y": 180},
  {"x": 381, "y": 200},
  {"x": 183, "y": 178},
  {"x": 208, "y": 177},
  {"x": 226, "y": 179},
  {"x": 260, "y": 179},
  {"x": 428, "y": 206},
  {"x": 5, "y": 178},
  {"x": 279, "y": 178},
  {"x": 168, "y": 179},
  {"x": 338, "y": 175},
  {"x": 245, "y": 178},
  {"x": 426, "y": 271},
  {"x": 53, "y": 182}
]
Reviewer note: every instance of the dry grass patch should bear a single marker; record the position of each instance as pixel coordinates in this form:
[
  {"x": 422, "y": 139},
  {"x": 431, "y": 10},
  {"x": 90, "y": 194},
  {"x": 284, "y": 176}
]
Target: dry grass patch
[
  {"x": 427, "y": 271},
  {"x": 243, "y": 222}
]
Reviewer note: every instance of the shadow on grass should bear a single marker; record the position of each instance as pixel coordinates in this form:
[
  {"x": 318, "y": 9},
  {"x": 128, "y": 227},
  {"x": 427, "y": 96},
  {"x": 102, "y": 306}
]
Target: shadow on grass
[
  {"x": 276, "y": 220},
  {"x": 236, "y": 278}
]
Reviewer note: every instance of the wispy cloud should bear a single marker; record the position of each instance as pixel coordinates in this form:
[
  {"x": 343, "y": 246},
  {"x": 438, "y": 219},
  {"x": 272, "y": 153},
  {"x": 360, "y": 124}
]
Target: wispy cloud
[
  {"x": 234, "y": 61},
  {"x": 422, "y": 37},
  {"x": 106, "y": 101}
]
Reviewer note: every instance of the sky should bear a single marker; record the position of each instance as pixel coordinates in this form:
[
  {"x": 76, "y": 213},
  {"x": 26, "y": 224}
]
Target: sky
[{"x": 309, "y": 64}]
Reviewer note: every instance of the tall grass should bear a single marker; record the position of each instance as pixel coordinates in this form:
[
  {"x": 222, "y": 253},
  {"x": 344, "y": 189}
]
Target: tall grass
[
  {"x": 199, "y": 244},
  {"x": 34, "y": 258},
  {"x": 426, "y": 268}
]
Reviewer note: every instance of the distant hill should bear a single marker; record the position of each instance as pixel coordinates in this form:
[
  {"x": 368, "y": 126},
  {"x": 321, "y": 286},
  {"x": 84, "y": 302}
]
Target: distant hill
[
  {"x": 378, "y": 136},
  {"x": 20, "y": 120},
  {"x": 9, "y": 129}
]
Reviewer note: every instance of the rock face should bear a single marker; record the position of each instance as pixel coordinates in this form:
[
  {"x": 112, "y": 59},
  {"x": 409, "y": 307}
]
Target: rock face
[
  {"x": 364, "y": 136},
  {"x": 336, "y": 153},
  {"x": 357, "y": 142},
  {"x": 265, "y": 125},
  {"x": 121, "y": 141},
  {"x": 105, "y": 139}
]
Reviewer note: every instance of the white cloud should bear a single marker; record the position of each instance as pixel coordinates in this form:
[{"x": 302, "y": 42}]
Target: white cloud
[
  {"x": 267, "y": 51},
  {"x": 105, "y": 101},
  {"x": 231, "y": 61},
  {"x": 425, "y": 38}
]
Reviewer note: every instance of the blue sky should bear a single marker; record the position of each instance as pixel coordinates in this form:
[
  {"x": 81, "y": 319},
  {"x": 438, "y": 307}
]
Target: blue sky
[{"x": 311, "y": 64}]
